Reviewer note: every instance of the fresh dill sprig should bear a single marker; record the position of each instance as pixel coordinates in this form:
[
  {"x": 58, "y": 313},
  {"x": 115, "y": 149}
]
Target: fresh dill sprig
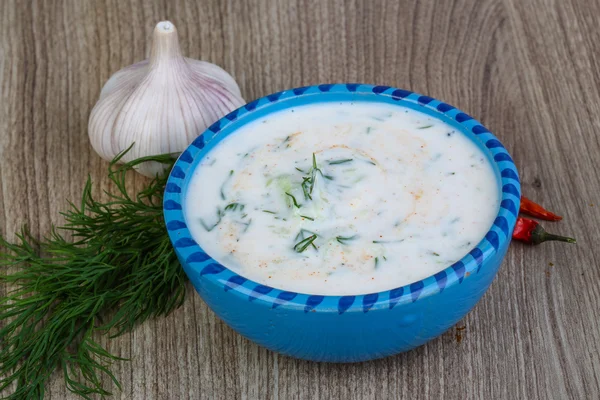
[
  {"x": 308, "y": 182},
  {"x": 344, "y": 161},
  {"x": 304, "y": 243},
  {"x": 234, "y": 207},
  {"x": 313, "y": 174},
  {"x": 223, "y": 197},
  {"x": 117, "y": 271},
  {"x": 306, "y": 188},
  {"x": 294, "y": 202},
  {"x": 209, "y": 228},
  {"x": 388, "y": 241},
  {"x": 344, "y": 239},
  {"x": 221, "y": 213}
]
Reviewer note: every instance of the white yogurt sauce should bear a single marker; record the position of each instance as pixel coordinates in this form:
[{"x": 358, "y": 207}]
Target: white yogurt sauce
[{"x": 396, "y": 196}]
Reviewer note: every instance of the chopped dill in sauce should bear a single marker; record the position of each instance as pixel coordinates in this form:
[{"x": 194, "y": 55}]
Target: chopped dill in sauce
[{"x": 306, "y": 202}]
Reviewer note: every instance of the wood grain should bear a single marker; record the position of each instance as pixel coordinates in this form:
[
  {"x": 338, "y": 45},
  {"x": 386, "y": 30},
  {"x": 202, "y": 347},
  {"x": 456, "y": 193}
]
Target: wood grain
[{"x": 529, "y": 70}]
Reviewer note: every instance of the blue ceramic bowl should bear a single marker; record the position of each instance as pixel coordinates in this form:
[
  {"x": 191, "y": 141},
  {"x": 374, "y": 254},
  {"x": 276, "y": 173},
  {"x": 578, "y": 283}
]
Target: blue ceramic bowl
[{"x": 343, "y": 328}]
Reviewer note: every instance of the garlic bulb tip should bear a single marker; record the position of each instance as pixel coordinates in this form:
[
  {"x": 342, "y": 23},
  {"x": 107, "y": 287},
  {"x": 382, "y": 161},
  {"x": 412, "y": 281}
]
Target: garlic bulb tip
[{"x": 165, "y": 26}]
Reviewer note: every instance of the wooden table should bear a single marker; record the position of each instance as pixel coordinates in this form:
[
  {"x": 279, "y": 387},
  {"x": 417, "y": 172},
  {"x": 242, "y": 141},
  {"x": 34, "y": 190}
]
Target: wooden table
[{"x": 529, "y": 70}]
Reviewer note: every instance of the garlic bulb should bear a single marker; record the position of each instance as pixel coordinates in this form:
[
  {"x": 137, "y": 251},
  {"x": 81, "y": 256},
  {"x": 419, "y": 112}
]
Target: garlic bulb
[{"x": 162, "y": 103}]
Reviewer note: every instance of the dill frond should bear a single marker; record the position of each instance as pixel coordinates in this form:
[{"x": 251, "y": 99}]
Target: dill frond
[{"x": 117, "y": 271}]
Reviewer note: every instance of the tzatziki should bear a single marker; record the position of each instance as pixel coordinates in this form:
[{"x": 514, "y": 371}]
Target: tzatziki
[{"x": 342, "y": 198}]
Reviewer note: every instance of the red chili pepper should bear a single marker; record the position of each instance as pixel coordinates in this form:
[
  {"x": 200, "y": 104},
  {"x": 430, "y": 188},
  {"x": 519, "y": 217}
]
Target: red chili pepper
[
  {"x": 531, "y": 232},
  {"x": 535, "y": 210}
]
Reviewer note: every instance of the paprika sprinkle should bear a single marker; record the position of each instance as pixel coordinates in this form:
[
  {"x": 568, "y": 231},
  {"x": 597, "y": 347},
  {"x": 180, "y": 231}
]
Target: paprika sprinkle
[
  {"x": 535, "y": 210},
  {"x": 531, "y": 232}
]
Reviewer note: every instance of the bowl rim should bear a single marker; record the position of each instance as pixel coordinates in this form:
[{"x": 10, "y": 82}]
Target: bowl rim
[{"x": 202, "y": 269}]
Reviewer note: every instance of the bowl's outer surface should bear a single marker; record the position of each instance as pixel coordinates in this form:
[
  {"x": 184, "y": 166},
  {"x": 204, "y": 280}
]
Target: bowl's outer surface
[{"x": 344, "y": 328}]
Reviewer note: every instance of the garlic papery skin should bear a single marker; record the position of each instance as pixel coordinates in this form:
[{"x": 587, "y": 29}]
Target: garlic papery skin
[{"x": 160, "y": 104}]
